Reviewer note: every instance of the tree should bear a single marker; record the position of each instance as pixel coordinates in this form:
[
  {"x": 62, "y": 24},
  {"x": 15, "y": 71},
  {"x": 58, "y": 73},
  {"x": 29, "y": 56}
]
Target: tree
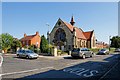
[
  {"x": 16, "y": 43},
  {"x": 44, "y": 44},
  {"x": 6, "y": 41},
  {"x": 115, "y": 42}
]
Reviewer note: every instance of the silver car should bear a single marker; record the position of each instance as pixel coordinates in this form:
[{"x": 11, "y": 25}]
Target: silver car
[
  {"x": 117, "y": 50},
  {"x": 82, "y": 52},
  {"x": 103, "y": 51},
  {"x": 26, "y": 54}
]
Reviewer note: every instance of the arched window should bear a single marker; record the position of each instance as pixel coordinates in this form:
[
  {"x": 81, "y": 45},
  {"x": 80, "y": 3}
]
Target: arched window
[{"x": 60, "y": 35}]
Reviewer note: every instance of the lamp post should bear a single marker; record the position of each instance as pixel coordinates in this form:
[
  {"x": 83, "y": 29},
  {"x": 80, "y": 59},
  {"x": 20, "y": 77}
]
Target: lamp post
[
  {"x": 48, "y": 37},
  {"x": 109, "y": 42}
]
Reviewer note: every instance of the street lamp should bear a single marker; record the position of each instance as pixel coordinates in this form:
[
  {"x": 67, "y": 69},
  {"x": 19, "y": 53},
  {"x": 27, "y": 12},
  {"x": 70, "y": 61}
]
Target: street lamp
[{"x": 48, "y": 37}]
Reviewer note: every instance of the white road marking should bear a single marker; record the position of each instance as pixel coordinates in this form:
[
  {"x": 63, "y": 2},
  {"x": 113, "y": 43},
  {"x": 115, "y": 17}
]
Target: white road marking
[
  {"x": 91, "y": 73},
  {"x": 20, "y": 72},
  {"x": 1, "y": 61},
  {"x": 81, "y": 71},
  {"x": 26, "y": 71}
]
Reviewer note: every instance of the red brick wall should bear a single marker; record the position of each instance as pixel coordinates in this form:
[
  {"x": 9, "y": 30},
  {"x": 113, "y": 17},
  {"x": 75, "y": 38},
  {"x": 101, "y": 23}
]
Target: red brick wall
[{"x": 35, "y": 40}]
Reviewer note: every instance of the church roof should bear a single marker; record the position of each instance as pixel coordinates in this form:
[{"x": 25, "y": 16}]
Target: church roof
[
  {"x": 88, "y": 34},
  {"x": 79, "y": 32},
  {"x": 69, "y": 26}
]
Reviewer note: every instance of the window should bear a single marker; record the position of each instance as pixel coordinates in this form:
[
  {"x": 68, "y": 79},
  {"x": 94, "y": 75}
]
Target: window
[
  {"x": 59, "y": 23},
  {"x": 23, "y": 42},
  {"x": 60, "y": 35}
]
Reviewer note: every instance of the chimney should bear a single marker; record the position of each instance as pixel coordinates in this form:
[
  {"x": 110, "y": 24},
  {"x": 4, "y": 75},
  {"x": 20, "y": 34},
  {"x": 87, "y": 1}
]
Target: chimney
[
  {"x": 25, "y": 35},
  {"x": 37, "y": 33}
]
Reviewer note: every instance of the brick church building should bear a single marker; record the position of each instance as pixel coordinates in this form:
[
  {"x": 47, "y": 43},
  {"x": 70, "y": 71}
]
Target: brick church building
[{"x": 66, "y": 36}]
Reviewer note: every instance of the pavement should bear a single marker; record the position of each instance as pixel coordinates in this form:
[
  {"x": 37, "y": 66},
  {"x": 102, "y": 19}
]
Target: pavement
[
  {"x": 42, "y": 56},
  {"x": 55, "y": 57}
]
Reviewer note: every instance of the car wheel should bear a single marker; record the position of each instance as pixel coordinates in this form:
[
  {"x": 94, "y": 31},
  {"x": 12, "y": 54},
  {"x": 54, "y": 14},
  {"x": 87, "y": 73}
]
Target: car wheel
[
  {"x": 83, "y": 56},
  {"x": 91, "y": 55},
  {"x": 27, "y": 57},
  {"x": 18, "y": 55}
]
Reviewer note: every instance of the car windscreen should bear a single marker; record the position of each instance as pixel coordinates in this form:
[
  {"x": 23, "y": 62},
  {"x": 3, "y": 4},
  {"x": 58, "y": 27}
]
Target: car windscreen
[
  {"x": 84, "y": 49},
  {"x": 103, "y": 50},
  {"x": 29, "y": 51},
  {"x": 75, "y": 50}
]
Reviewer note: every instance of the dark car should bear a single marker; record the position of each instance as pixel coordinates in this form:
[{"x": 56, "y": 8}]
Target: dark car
[
  {"x": 81, "y": 52},
  {"x": 103, "y": 51}
]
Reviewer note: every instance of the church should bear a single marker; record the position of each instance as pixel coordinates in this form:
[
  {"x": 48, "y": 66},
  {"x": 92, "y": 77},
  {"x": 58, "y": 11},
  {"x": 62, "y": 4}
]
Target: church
[{"x": 65, "y": 36}]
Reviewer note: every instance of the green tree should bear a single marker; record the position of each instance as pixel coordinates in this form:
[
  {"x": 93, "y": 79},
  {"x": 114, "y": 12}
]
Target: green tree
[
  {"x": 32, "y": 47},
  {"x": 115, "y": 42},
  {"x": 16, "y": 43},
  {"x": 44, "y": 44},
  {"x": 6, "y": 41}
]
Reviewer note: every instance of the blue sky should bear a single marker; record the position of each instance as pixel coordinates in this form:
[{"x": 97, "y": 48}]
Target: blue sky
[{"x": 19, "y": 18}]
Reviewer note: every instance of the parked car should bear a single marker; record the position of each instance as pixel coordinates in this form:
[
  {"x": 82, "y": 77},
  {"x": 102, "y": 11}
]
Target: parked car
[
  {"x": 26, "y": 54},
  {"x": 117, "y": 50},
  {"x": 81, "y": 52},
  {"x": 103, "y": 51}
]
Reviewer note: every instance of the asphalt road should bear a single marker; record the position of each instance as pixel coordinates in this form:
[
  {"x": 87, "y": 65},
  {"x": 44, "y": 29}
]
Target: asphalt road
[{"x": 99, "y": 67}]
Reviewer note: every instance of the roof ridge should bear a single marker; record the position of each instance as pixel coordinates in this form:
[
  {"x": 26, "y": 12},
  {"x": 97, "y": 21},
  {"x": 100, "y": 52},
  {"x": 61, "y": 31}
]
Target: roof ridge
[{"x": 89, "y": 31}]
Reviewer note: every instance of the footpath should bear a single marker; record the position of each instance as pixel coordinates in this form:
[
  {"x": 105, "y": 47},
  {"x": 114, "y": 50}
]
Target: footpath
[{"x": 44, "y": 56}]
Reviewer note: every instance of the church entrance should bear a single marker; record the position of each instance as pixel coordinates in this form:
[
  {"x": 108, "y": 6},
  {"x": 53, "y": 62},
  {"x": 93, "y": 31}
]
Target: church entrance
[{"x": 60, "y": 46}]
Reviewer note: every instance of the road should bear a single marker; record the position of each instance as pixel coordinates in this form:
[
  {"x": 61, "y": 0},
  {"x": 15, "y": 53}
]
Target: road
[{"x": 99, "y": 67}]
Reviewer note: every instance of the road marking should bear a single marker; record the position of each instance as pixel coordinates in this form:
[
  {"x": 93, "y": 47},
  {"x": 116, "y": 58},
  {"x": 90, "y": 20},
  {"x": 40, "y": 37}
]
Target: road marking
[
  {"x": 108, "y": 71},
  {"x": 20, "y": 72},
  {"x": 81, "y": 71},
  {"x": 1, "y": 61},
  {"x": 26, "y": 71},
  {"x": 91, "y": 73}
]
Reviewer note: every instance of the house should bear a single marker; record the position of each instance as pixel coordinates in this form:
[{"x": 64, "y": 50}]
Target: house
[
  {"x": 100, "y": 44},
  {"x": 66, "y": 36},
  {"x": 28, "y": 40}
]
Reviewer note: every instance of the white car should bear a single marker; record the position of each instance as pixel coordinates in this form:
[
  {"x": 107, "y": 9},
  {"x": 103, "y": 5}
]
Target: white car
[{"x": 27, "y": 54}]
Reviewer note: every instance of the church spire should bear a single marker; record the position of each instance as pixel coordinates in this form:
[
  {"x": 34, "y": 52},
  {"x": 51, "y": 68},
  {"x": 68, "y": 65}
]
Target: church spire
[{"x": 72, "y": 21}]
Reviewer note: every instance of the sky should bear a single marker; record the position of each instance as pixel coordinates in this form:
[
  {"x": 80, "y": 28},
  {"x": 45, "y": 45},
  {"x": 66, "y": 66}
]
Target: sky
[{"x": 28, "y": 17}]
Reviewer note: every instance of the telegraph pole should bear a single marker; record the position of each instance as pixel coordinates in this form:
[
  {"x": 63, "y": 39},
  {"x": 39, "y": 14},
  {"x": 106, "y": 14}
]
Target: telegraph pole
[{"x": 48, "y": 37}]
